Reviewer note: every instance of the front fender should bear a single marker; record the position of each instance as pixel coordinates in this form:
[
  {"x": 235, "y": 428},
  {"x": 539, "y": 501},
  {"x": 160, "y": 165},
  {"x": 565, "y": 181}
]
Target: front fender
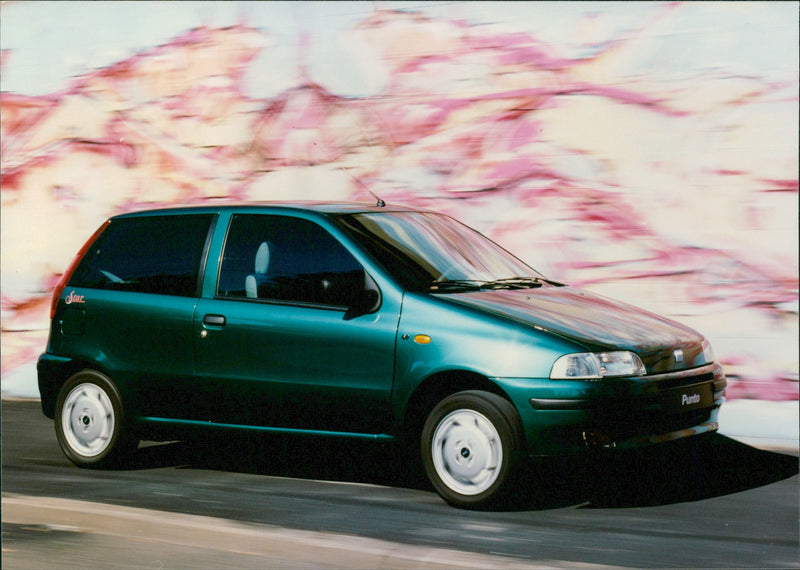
[{"x": 437, "y": 336}]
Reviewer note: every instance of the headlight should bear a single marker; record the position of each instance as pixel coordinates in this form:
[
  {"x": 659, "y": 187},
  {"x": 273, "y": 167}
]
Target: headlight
[
  {"x": 708, "y": 352},
  {"x": 594, "y": 366}
]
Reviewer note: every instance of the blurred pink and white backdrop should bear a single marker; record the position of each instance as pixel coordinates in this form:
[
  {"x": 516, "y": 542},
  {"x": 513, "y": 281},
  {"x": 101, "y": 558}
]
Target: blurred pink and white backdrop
[{"x": 647, "y": 151}]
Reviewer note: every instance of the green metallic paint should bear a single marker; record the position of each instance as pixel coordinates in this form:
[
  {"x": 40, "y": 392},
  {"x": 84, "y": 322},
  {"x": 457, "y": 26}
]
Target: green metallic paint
[
  {"x": 141, "y": 340},
  {"x": 295, "y": 368}
]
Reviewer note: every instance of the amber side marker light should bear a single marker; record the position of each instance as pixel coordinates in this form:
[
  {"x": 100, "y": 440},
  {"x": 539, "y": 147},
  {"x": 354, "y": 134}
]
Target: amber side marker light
[{"x": 422, "y": 339}]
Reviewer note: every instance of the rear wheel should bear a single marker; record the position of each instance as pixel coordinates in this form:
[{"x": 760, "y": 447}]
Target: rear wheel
[
  {"x": 471, "y": 444},
  {"x": 90, "y": 421}
]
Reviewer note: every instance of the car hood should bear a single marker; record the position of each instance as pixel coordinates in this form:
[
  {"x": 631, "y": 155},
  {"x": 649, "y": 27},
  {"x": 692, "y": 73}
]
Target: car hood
[{"x": 596, "y": 322}]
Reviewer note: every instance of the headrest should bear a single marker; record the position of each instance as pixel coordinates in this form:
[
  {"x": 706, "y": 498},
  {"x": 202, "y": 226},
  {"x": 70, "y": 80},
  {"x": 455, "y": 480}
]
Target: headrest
[{"x": 262, "y": 258}]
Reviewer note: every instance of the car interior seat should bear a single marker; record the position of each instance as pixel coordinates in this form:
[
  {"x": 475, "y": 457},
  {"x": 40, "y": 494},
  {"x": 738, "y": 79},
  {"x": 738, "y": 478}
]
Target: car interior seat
[{"x": 259, "y": 274}]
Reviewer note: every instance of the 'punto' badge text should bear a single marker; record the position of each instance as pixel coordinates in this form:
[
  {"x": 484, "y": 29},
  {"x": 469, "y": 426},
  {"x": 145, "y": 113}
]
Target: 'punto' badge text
[{"x": 687, "y": 400}]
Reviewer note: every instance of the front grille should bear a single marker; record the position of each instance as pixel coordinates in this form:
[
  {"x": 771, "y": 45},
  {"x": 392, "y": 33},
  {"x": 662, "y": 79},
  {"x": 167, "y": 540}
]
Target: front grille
[{"x": 682, "y": 382}]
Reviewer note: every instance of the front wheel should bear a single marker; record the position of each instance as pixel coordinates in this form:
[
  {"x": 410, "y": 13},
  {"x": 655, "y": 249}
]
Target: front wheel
[
  {"x": 90, "y": 421},
  {"x": 471, "y": 444}
]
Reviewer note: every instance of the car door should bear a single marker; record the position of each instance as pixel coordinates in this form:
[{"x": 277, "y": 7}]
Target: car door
[{"x": 278, "y": 346}]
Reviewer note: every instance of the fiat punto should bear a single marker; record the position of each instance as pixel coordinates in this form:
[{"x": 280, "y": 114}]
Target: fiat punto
[{"x": 357, "y": 321}]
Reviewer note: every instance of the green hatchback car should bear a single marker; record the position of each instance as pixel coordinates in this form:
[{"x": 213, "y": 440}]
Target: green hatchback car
[{"x": 357, "y": 321}]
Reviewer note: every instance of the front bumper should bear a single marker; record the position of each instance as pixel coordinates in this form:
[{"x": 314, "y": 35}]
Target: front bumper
[{"x": 630, "y": 412}]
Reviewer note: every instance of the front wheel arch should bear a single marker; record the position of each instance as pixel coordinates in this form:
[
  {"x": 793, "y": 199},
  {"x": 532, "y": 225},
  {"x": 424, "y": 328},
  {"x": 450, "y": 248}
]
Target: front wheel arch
[{"x": 434, "y": 389}]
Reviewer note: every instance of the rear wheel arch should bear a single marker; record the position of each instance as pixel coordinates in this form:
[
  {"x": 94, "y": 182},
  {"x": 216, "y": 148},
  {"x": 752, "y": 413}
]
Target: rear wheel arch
[{"x": 57, "y": 378}]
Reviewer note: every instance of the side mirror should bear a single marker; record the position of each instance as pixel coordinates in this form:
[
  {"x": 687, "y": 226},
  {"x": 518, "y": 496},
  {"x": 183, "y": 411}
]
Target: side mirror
[{"x": 367, "y": 301}]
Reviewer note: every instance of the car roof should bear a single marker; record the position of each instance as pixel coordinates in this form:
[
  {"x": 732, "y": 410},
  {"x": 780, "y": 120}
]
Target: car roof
[{"x": 325, "y": 208}]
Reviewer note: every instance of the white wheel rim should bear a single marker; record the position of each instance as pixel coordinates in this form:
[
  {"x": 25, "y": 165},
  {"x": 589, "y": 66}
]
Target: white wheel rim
[
  {"x": 87, "y": 420},
  {"x": 467, "y": 452}
]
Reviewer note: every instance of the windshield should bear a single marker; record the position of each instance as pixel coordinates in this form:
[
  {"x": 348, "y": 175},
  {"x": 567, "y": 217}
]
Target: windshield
[{"x": 428, "y": 251}]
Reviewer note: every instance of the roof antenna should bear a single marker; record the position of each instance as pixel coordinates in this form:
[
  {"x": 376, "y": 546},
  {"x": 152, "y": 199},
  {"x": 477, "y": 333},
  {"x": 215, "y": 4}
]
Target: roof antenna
[{"x": 380, "y": 203}]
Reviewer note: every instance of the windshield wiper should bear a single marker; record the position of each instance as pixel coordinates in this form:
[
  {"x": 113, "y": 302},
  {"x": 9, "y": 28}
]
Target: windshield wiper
[
  {"x": 514, "y": 283},
  {"x": 476, "y": 284},
  {"x": 457, "y": 284}
]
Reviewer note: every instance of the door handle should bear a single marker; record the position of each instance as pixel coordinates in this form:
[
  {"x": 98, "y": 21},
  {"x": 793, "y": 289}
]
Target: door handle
[{"x": 214, "y": 320}]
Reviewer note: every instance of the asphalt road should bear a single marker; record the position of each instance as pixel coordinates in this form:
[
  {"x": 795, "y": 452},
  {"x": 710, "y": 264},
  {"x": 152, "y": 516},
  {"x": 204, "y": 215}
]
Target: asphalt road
[{"x": 712, "y": 503}]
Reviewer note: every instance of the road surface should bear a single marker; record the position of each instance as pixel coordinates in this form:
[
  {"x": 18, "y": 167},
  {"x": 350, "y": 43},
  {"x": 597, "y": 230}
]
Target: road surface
[{"x": 243, "y": 502}]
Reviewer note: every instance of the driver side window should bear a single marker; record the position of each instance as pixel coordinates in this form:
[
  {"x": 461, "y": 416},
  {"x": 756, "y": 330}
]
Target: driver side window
[{"x": 287, "y": 259}]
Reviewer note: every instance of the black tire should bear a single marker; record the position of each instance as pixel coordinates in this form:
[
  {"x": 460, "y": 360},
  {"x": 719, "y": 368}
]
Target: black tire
[
  {"x": 90, "y": 422},
  {"x": 471, "y": 448}
]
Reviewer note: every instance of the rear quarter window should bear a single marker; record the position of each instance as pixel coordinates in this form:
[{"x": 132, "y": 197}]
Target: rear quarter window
[{"x": 157, "y": 254}]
